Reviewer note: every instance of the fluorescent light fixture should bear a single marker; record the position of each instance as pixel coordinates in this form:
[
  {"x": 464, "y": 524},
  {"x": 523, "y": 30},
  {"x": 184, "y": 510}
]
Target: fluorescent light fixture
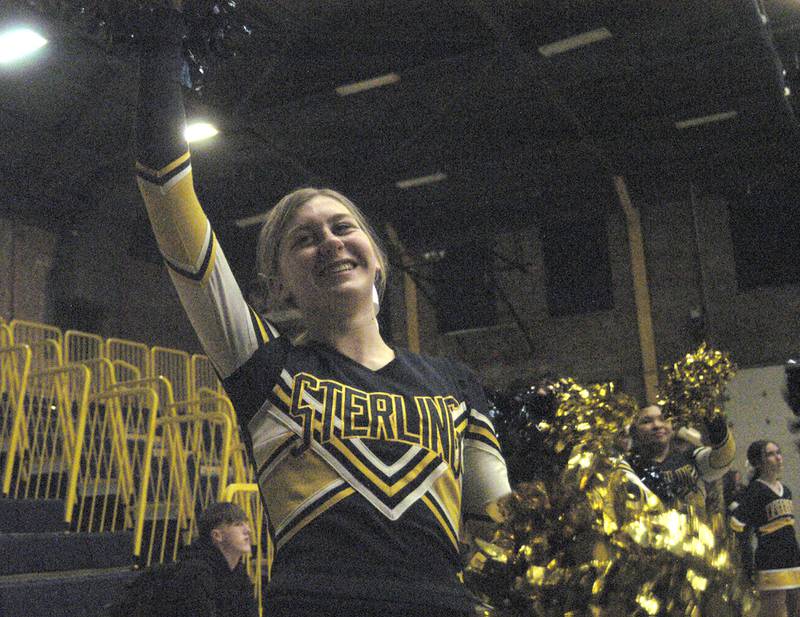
[
  {"x": 368, "y": 84},
  {"x": 787, "y": 91},
  {"x": 574, "y": 42},
  {"x": 700, "y": 120},
  {"x": 249, "y": 221},
  {"x": 198, "y": 131},
  {"x": 420, "y": 181},
  {"x": 18, "y": 43}
]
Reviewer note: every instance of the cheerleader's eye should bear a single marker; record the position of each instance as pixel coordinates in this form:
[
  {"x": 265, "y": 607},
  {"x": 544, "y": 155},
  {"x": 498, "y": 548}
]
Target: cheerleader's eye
[
  {"x": 343, "y": 227},
  {"x": 301, "y": 240}
]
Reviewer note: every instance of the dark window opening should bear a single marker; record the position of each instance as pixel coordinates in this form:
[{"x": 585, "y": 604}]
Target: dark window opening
[
  {"x": 464, "y": 288},
  {"x": 577, "y": 267},
  {"x": 765, "y": 230}
]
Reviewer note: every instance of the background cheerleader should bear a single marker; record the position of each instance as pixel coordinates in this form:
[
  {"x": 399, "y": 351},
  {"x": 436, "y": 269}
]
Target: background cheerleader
[{"x": 765, "y": 507}]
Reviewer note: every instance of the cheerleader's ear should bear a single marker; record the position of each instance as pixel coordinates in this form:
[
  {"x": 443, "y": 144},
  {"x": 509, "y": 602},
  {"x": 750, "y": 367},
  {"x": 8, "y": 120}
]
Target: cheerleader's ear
[{"x": 280, "y": 294}]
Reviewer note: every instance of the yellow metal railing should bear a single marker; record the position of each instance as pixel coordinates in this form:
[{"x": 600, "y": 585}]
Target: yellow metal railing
[
  {"x": 119, "y": 438},
  {"x": 95, "y": 422},
  {"x": 170, "y": 439},
  {"x": 247, "y": 496},
  {"x": 174, "y": 365},
  {"x": 200, "y": 468},
  {"x": 203, "y": 376},
  {"x": 45, "y": 355},
  {"x": 103, "y": 374},
  {"x": 31, "y": 332},
  {"x": 15, "y": 364},
  {"x": 82, "y": 346},
  {"x": 133, "y": 354},
  {"x": 6, "y": 338},
  {"x": 47, "y": 437},
  {"x": 125, "y": 371}
]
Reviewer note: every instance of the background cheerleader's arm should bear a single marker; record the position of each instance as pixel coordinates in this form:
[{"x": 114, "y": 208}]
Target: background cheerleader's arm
[
  {"x": 228, "y": 329},
  {"x": 712, "y": 462}
]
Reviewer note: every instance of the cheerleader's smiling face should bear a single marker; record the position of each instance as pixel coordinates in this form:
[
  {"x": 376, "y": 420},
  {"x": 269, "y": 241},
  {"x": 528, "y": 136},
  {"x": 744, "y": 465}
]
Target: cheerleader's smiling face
[
  {"x": 327, "y": 261},
  {"x": 651, "y": 428}
]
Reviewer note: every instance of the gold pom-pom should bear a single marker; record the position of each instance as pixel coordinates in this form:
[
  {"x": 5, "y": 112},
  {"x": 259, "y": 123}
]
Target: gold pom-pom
[
  {"x": 589, "y": 417},
  {"x": 693, "y": 388},
  {"x": 588, "y": 542}
]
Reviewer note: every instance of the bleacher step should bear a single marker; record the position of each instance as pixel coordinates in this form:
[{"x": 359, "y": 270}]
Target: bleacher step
[
  {"x": 10, "y": 580},
  {"x": 31, "y": 515},
  {"x": 59, "y": 551},
  {"x": 78, "y": 593},
  {"x": 101, "y": 488}
]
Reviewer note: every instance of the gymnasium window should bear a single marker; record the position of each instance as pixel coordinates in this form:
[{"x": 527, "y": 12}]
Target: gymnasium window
[{"x": 577, "y": 267}]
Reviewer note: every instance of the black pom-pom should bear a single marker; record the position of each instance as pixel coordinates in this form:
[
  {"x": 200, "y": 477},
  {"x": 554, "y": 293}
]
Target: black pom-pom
[
  {"x": 214, "y": 29},
  {"x": 516, "y": 415}
]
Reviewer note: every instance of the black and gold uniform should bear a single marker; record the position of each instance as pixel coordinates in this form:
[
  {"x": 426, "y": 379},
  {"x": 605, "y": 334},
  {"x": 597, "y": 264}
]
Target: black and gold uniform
[
  {"x": 771, "y": 516},
  {"x": 679, "y": 481},
  {"x": 366, "y": 475}
]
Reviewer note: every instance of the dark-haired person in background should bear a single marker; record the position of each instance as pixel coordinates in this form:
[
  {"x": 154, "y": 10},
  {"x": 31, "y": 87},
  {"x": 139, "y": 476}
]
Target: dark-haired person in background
[
  {"x": 210, "y": 579},
  {"x": 675, "y": 473},
  {"x": 765, "y": 507}
]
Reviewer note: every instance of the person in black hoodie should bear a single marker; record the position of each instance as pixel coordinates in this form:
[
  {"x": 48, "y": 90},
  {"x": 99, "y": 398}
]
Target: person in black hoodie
[{"x": 210, "y": 579}]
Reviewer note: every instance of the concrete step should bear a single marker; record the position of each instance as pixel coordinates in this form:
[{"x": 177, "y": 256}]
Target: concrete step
[
  {"x": 77, "y": 593},
  {"x": 31, "y": 515},
  {"x": 61, "y": 551}
]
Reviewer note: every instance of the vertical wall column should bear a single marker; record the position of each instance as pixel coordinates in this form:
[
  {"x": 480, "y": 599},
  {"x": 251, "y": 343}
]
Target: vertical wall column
[
  {"x": 26, "y": 261},
  {"x": 644, "y": 315},
  {"x": 409, "y": 291}
]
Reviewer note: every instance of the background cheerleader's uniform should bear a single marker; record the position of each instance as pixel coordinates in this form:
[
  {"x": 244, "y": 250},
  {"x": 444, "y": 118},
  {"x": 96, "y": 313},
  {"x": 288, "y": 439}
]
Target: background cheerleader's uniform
[
  {"x": 366, "y": 475},
  {"x": 771, "y": 516}
]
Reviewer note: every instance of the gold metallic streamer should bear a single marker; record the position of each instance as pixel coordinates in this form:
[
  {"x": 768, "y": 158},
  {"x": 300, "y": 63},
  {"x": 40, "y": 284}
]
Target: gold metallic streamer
[
  {"x": 589, "y": 542},
  {"x": 693, "y": 389}
]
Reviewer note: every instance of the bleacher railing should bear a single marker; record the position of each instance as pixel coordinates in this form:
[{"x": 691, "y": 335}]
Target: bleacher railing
[
  {"x": 47, "y": 437},
  {"x": 119, "y": 438},
  {"x": 133, "y": 354},
  {"x": 192, "y": 459},
  {"x": 203, "y": 376},
  {"x": 95, "y": 422},
  {"x": 125, "y": 371},
  {"x": 32, "y": 333},
  {"x": 6, "y": 338},
  {"x": 15, "y": 364},
  {"x": 82, "y": 346},
  {"x": 174, "y": 365}
]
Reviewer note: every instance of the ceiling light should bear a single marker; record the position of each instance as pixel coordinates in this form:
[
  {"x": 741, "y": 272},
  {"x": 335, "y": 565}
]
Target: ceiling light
[
  {"x": 368, "y": 84},
  {"x": 720, "y": 117},
  {"x": 16, "y": 44},
  {"x": 198, "y": 131},
  {"x": 573, "y": 42},
  {"x": 420, "y": 181}
]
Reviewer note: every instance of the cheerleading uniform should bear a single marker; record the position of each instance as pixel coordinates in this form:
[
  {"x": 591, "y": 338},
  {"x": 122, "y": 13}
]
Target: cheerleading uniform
[
  {"x": 679, "y": 480},
  {"x": 365, "y": 474},
  {"x": 771, "y": 516}
]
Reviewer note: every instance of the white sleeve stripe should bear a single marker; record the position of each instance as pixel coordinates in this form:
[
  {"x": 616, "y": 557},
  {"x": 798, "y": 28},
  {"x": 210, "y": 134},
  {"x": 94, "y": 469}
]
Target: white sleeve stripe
[
  {"x": 477, "y": 415},
  {"x": 220, "y": 316}
]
